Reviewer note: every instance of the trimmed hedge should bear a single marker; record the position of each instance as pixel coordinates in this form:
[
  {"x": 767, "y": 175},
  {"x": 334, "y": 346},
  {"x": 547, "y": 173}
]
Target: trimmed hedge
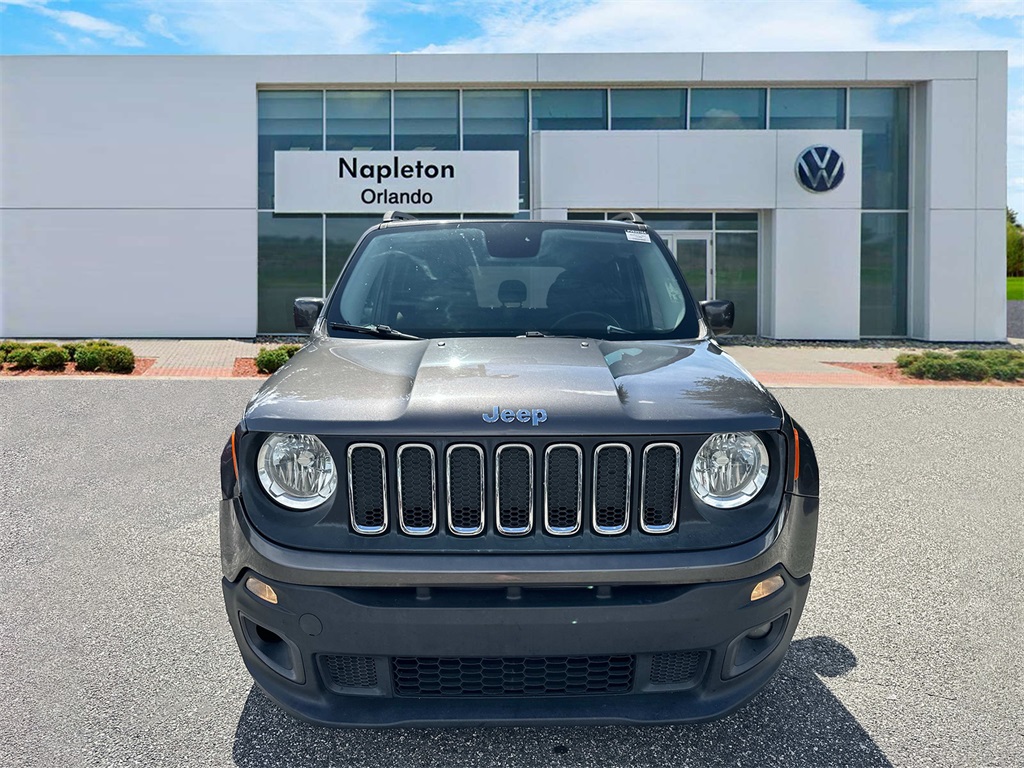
[
  {"x": 24, "y": 359},
  {"x": 87, "y": 358},
  {"x": 290, "y": 349},
  {"x": 269, "y": 360},
  {"x": 52, "y": 358},
  {"x": 117, "y": 359},
  {"x": 965, "y": 365}
]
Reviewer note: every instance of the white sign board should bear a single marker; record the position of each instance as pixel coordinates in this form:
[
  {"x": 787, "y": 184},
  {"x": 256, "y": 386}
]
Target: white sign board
[{"x": 414, "y": 182}]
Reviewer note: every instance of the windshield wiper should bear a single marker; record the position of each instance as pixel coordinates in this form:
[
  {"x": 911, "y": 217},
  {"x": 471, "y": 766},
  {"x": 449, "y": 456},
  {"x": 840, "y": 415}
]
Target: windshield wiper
[{"x": 381, "y": 331}]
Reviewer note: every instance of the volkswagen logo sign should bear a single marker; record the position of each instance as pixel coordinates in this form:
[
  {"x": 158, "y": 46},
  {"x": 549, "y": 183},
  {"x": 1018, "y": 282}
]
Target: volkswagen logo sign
[{"x": 820, "y": 169}]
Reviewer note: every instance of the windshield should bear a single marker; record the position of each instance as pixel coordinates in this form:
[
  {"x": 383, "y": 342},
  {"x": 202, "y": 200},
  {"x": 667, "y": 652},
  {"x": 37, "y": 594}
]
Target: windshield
[{"x": 515, "y": 278}]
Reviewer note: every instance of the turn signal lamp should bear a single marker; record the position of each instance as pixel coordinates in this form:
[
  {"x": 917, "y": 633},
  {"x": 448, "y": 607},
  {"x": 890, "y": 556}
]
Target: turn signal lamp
[
  {"x": 769, "y": 586},
  {"x": 261, "y": 590}
]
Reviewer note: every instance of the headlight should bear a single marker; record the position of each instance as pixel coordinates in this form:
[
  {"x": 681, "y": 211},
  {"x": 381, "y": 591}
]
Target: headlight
[
  {"x": 296, "y": 470},
  {"x": 729, "y": 469}
]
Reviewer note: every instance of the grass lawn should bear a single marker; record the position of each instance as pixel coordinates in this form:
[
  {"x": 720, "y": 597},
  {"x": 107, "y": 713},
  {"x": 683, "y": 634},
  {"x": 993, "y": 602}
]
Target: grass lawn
[{"x": 1015, "y": 289}]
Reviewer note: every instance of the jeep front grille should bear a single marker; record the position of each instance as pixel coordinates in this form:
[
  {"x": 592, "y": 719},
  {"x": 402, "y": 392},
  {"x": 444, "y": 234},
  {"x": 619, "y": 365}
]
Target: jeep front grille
[{"x": 499, "y": 488}]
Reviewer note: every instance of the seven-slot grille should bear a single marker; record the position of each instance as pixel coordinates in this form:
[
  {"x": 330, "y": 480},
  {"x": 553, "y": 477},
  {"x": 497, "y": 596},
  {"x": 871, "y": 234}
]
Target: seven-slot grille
[{"x": 460, "y": 502}]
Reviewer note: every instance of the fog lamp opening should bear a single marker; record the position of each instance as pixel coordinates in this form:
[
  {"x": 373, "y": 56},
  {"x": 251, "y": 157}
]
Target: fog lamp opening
[
  {"x": 767, "y": 587},
  {"x": 262, "y": 590}
]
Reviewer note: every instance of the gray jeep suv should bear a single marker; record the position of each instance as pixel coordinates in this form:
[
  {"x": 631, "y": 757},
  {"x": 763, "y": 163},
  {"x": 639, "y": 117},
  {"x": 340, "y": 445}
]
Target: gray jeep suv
[{"x": 513, "y": 478}]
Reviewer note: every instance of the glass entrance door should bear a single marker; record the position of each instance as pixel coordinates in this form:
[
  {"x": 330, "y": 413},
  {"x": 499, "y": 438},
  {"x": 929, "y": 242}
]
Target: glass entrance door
[
  {"x": 693, "y": 254},
  {"x": 720, "y": 266}
]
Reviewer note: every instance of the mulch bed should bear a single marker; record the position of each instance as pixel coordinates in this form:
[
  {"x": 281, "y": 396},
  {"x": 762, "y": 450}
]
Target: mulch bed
[
  {"x": 142, "y": 364},
  {"x": 245, "y": 367},
  {"x": 891, "y": 372}
]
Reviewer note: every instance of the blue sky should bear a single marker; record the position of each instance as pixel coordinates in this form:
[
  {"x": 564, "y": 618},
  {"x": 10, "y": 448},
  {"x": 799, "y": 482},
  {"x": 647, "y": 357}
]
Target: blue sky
[{"x": 390, "y": 26}]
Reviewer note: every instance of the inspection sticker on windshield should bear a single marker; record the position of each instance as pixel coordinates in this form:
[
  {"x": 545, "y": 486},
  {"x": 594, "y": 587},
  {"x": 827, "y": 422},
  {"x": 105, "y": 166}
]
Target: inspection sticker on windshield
[{"x": 637, "y": 237}]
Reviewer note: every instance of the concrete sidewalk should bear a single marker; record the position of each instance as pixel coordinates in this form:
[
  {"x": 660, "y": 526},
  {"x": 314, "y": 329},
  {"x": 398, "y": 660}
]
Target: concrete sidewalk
[{"x": 798, "y": 366}]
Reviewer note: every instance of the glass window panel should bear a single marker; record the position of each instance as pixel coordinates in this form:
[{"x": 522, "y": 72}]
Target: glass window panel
[
  {"x": 727, "y": 108},
  {"x": 648, "y": 109},
  {"x": 427, "y": 120},
  {"x": 794, "y": 108},
  {"x": 289, "y": 258},
  {"x": 883, "y": 274},
  {"x": 343, "y": 232},
  {"x": 570, "y": 110},
  {"x": 883, "y": 114},
  {"x": 736, "y": 277},
  {"x": 670, "y": 221},
  {"x": 692, "y": 257},
  {"x": 736, "y": 222},
  {"x": 358, "y": 120},
  {"x": 286, "y": 120},
  {"x": 496, "y": 120}
]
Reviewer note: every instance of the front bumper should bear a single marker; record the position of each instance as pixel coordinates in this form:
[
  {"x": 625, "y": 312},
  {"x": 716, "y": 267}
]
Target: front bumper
[{"x": 389, "y": 640}]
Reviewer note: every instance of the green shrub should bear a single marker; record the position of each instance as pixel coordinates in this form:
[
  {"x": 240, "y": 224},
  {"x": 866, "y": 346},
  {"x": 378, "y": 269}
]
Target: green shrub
[
  {"x": 7, "y": 346},
  {"x": 88, "y": 358},
  {"x": 290, "y": 349},
  {"x": 3, "y": 356},
  {"x": 71, "y": 347},
  {"x": 51, "y": 358},
  {"x": 1007, "y": 372},
  {"x": 100, "y": 343},
  {"x": 24, "y": 359},
  {"x": 269, "y": 360},
  {"x": 933, "y": 355},
  {"x": 971, "y": 354},
  {"x": 969, "y": 369},
  {"x": 938, "y": 368},
  {"x": 906, "y": 360},
  {"x": 35, "y": 346},
  {"x": 1003, "y": 356},
  {"x": 116, "y": 359}
]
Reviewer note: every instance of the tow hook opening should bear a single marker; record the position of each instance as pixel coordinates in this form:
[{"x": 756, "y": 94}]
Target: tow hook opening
[
  {"x": 753, "y": 646},
  {"x": 277, "y": 652}
]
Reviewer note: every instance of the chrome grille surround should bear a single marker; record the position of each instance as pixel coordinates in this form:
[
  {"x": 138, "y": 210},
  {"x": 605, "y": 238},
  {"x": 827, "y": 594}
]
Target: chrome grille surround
[
  {"x": 601, "y": 498},
  {"x": 357, "y": 493},
  {"x": 503, "y": 509},
  {"x": 648, "y": 481},
  {"x": 409, "y": 512},
  {"x": 553, "y": 494},
  {"x": 465, "y": 512}
]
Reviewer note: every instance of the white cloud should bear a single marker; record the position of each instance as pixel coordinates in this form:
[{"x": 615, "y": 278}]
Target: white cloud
[
  {"x": 266, "y": 26},
  {"x": 991, "y": 9},
  {"x": 157, "y": 25},
  {"x": 95, "y": 26}
]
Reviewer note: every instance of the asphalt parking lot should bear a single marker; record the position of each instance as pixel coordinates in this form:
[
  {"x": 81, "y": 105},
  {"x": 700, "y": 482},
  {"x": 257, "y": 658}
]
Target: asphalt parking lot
[{"x": 114, "y": 648}]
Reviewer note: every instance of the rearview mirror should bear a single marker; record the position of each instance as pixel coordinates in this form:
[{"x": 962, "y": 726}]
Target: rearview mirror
[
  {"x": 306, "y": 311},
  {"x": 720, "y": 315}
]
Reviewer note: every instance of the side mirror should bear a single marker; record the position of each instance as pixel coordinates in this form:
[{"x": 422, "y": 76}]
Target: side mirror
[
  {"x": 306, "y": 311},
  {"x": 720, "y": 315}
]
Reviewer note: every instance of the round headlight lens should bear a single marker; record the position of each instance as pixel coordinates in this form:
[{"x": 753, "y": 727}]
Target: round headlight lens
[
  {"x": 730, "y": 469},
  {"x": 296, "y": 470}
]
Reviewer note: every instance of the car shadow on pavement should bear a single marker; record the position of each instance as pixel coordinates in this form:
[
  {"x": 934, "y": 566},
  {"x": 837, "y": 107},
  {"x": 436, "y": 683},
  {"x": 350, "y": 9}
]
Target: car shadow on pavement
[{"x": 794, "y": 721}]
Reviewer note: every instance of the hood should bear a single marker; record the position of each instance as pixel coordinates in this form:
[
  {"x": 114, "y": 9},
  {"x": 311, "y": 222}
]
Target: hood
[{"x": 386, "y": 387}]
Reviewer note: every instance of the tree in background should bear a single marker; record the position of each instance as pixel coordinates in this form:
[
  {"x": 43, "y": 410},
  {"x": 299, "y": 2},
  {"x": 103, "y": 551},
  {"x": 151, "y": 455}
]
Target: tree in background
[{"x": 1014, "y": 245}]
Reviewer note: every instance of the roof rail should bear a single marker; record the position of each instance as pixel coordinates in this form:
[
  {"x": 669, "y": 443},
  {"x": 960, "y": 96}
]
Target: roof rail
[
  {"x": 628, "y": 216},
  {"x": 398, "y": 216}
]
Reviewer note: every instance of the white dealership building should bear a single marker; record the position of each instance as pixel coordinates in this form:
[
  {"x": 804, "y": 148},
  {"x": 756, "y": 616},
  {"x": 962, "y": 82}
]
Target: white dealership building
[{"x": 830, "y": 195}]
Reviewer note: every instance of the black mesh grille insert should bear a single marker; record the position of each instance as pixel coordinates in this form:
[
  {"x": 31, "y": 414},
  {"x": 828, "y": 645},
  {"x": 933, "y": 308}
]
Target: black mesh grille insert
[
  {"x": 677, "y": 668},
  {"x": 611, "y": 489},
  {"x": 349, "y": 671},
  {"x": 660, "y": 488},
  {"x": 562, "y": 489},
  {"x": 416, "y": 489},
  {"x": 465, "y": 489},
  {"x": 515, "y": 489},
  {"x": 366, "y": 475},
  {"x": 513, "y": 676}
]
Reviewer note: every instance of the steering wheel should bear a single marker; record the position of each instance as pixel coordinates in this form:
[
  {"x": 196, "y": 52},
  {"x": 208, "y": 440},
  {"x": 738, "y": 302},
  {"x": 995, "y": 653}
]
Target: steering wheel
[{"x": 574, "y": 317}]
